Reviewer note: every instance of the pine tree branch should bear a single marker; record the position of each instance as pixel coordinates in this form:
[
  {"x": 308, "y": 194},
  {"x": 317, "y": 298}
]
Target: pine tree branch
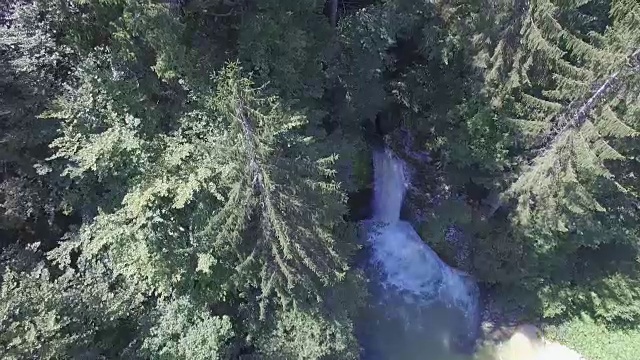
[
  {"x": 259, "y": 182},
  {"x": 569, "y": 119},
  {"x": 247, "y": 130},
  {"x": 575, "y": 118},
  {"x": 581, "y": 115}
]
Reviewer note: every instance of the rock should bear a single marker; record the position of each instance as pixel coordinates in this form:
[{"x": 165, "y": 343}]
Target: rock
[
  {"x": 524, "y": 344},
  {"x": 555, "y": 351},
  {"x": 527, "y": 343}
]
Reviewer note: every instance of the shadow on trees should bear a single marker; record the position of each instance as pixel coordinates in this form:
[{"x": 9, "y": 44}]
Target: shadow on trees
[{"x": 539, "y": 275}]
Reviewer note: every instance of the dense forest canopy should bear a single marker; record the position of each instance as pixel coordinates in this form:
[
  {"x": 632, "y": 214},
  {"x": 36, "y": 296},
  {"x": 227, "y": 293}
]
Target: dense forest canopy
[{"x": 183, "y": 179}]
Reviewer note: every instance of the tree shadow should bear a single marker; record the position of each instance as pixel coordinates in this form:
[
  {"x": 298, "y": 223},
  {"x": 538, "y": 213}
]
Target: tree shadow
[{"x": 540, "y": 276}]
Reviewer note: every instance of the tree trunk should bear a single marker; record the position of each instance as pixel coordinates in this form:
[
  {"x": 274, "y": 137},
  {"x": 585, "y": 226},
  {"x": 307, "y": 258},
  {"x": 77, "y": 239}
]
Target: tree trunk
[{"x": 333, "y": 12}]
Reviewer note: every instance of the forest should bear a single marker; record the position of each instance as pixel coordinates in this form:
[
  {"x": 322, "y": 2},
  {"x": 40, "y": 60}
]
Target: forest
[{"x": 185, "y": 179}]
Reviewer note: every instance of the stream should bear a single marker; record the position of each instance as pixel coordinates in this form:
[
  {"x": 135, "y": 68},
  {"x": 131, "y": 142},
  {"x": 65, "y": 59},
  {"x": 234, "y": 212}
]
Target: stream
[{"x": 419, "y": 308}]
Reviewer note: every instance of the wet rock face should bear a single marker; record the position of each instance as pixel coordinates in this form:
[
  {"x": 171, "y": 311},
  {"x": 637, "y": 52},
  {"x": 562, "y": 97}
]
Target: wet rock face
[
  {"x": 359, "y": 204},
  {"x": 386, "y": 123}
]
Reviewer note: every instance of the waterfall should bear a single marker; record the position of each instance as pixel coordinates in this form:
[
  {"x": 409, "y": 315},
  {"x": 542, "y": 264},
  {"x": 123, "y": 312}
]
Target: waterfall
[
  {"x": 390, "y": 186},
  {"x": 420, "y": 303}
]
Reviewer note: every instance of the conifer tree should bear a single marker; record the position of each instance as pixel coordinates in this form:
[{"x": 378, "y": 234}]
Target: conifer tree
[
  {"x": 199, "y": 193},
  {"x": 205, "y": 147},
  {"x": 222, "y": 198},
  {"x": 284, "y": 185},
  {"x": 570, "y": 86}
]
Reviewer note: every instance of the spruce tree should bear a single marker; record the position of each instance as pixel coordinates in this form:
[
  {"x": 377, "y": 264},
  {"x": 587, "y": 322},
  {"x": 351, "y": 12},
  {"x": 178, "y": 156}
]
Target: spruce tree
[
  {"x": 215, "y": 193},
  {"x": 567, "y": 74},
  {"x": 203, "y": 198}
]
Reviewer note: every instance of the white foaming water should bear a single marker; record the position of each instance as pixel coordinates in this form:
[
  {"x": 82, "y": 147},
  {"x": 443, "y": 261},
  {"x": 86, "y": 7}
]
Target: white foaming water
[
  {"x": 390, "y": 186},
  {"x": 407, "y": 263}
]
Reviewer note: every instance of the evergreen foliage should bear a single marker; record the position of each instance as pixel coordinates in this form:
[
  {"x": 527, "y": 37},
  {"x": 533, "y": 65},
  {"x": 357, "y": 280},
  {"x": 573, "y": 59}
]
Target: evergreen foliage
[
  {"x": 33, "y": 65},
  {"x": 174, "y": 174},
  {"x": 185, "y": 332},
  {"x": 195, "y": 194},
  {"x": 574, "y": 81},
  {"x": 51, "y": 314}
]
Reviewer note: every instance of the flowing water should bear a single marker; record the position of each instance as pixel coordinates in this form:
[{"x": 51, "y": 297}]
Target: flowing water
[{"x": 420, "y": 307}]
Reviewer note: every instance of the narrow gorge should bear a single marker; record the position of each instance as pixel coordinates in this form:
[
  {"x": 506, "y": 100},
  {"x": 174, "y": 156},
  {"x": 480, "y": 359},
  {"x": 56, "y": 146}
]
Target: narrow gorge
[{"x": 419, "y": 304}]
